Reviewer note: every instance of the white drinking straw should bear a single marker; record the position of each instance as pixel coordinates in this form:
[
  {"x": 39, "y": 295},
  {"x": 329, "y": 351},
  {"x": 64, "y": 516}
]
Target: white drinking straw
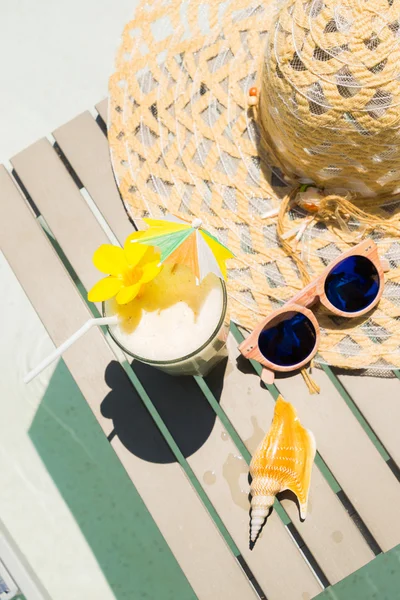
[{"x": 61, "y": 349}]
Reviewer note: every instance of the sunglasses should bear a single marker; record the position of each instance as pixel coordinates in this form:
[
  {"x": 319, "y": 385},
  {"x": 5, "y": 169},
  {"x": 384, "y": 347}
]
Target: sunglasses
[{"x": 289, "y": 337}]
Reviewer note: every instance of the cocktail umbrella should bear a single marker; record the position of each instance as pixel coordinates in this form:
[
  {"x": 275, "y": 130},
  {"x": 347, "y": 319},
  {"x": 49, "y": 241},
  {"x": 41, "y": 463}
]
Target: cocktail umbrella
[{"x": 185, "y": 244}]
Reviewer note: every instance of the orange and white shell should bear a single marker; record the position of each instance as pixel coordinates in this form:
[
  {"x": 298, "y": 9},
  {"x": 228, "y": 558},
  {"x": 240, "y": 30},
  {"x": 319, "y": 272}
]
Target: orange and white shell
[{"x": 283, "y": 461}]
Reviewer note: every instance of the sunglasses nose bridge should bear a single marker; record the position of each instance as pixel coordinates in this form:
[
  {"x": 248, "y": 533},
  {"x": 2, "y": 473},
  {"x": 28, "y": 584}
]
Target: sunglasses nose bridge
[
  {"x": 313, "y": 301},
  {"x": 308, "y": 296}
]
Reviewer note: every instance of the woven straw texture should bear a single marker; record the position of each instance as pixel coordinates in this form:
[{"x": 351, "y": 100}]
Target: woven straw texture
[{"x": 184, "y": 141}]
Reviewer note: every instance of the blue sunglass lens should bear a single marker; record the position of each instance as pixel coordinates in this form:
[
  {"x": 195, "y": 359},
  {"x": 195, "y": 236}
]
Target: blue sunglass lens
[
  {"x": 353, "y": 284},
  {"x": 289, "y": 341}
]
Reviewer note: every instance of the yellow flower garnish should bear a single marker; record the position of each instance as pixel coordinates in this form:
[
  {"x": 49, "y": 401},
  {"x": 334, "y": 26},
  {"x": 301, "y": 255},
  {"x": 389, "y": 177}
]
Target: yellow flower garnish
[{"x": 128, "y": 269}]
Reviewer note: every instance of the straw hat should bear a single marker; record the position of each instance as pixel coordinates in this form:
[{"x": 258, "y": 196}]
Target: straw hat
[{"x": 186, "y": 139}]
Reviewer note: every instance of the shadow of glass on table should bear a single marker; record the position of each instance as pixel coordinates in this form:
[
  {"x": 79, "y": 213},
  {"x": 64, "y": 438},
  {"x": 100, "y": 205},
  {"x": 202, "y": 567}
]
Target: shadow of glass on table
[
  {"x": 129, "y": 548},
  {"x": 180, "y": 403}
]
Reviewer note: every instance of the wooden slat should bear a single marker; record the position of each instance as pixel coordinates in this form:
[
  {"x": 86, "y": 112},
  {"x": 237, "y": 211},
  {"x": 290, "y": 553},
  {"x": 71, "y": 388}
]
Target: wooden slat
[
  {"x": 328, "y": 531},
  {"x": 378, "y": 399},
  {"x": 50, "y": 187},
  {"x": 193, "y": 538},
  {"x": 350, "y": 454},
  {"x": 86, "y": 149},
  {"x": 224, "y": 475},
  {"x": 42, "y": 188},
  {"x": 102, "y": 108}
]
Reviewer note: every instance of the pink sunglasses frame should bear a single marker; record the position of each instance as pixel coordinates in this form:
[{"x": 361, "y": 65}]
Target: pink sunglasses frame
[{"x": 313, "y": 292}]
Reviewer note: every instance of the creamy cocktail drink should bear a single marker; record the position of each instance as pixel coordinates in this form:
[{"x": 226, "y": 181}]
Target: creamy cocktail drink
[{"x": 174, "y": 324}]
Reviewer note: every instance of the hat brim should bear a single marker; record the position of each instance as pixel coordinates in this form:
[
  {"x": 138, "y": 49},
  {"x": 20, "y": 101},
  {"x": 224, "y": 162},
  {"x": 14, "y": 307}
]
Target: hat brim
[{"x": 183, "y": 140}]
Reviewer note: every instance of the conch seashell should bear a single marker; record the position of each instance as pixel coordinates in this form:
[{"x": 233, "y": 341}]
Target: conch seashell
[{"x": 283, "y": 461}]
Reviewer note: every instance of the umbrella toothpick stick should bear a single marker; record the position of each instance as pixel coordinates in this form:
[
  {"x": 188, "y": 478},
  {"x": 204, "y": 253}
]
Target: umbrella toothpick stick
[{"x": 74, "y": 337}]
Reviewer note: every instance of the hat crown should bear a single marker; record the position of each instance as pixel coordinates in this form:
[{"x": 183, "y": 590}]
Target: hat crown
[{"x": 330, "y": 93}]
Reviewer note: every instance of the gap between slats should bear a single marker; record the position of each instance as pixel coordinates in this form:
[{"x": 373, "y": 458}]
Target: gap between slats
[{"x": 367, "y": 426}]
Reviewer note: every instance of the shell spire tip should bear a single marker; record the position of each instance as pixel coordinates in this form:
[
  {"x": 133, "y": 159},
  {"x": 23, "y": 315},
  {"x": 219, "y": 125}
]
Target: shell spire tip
[{"x": 260, "y": 507}]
